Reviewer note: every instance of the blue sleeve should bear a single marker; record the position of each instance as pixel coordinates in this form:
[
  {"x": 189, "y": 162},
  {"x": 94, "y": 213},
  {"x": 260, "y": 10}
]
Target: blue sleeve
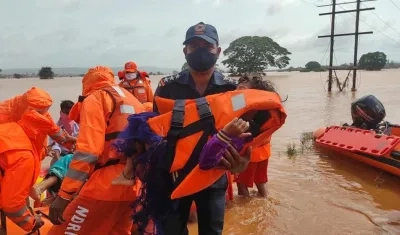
[
  {"x": 156, "y": 93},
  {"x": 61, "y": 166}
]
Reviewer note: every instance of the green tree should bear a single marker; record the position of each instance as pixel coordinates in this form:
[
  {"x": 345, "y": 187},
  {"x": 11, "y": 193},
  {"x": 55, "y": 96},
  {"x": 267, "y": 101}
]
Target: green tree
[
  {"x": 46, "y": 73},
  {"x": 1, "y": 70},
  {"x": 389, "y": 65},
  {"x": 255, "y": 54},
  {"x": 17, "y": 75},
  {"x": 372, "y": 61},
  {"x": 185, "y": 66},
  {"x": 313, "y": 66}
]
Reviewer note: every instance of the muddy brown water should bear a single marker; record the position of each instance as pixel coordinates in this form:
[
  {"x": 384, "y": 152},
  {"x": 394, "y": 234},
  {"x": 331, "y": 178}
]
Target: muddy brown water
[{"x": 310, "y": 193}]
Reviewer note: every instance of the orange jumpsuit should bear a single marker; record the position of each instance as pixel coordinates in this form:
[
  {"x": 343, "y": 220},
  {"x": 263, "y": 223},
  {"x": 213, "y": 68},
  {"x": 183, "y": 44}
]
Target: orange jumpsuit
[
  {"x": 100, "y": 207},
  {"x": 21, "y": 147},
  {"x": 12, "y": 109}
]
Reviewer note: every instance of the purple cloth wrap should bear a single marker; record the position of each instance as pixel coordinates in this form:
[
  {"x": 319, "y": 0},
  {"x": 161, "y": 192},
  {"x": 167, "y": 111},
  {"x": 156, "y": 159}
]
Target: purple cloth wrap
[
  {"x": 136, "y": 130},
  {"x": 213, "y": 151}
]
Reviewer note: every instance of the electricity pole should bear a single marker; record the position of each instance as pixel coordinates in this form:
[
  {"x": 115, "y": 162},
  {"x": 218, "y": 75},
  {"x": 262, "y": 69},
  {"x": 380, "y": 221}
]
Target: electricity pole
[{"x": 333, "y": 35}]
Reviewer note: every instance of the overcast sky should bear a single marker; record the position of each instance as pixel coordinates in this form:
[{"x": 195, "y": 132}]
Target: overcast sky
[{"x": 81, "y": 33}]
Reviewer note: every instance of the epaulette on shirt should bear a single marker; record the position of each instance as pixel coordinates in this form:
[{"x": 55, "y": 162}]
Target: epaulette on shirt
[
  {"x": 227, "y": 80},
  {"x": 168, "y": 79}
]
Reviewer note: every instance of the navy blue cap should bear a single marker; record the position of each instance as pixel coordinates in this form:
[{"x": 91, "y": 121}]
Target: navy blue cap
[{"x": 204, "y": 31}]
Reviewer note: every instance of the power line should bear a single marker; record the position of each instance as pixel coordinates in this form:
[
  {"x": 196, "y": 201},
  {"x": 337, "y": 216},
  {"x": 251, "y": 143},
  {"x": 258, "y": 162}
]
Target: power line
[
  {"x": 395, "y": 4},
  {"x": 394, "y": 40},
  {"x": 385, "y": 22},
  {"x": 332, "y": 35}
]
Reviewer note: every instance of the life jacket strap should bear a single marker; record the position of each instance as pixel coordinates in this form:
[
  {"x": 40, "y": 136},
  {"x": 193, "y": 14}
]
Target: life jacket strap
[
  {"x": 3, "y": 223},
  {"x": 112, "y": 135},
  {"x": 114, "y": 105},
  {"x": 206, "y": 123},
  {"x": 81, "y": 98}
]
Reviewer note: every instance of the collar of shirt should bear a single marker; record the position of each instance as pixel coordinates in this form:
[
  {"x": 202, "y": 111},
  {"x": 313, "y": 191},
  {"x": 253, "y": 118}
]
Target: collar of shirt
[{"x": 187, "y": 79}]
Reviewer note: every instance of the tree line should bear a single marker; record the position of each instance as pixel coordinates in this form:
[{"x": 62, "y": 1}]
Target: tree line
[
  {"x": 258, "y": 53},
  {"x": 47, "y": 73},
  {"x": 372, "y": 61}
]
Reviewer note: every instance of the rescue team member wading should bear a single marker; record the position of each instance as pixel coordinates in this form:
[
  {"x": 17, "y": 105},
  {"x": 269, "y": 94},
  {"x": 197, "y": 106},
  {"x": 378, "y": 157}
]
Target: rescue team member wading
[
  {"x": 136, "y": 82},
  {"x": 201, "y": 51},
  {"x": 20, "y": 164},
  {"x": 99, "y": 208}
]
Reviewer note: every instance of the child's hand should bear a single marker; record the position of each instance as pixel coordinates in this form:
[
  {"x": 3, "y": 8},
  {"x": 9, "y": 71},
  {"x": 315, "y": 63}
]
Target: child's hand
[
  {"x": 236, "y": 127},
  {"x": 245, "y": 135}
]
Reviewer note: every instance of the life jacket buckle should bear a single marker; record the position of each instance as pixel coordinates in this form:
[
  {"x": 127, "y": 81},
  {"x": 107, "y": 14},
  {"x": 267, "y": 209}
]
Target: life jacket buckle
[
  {"x": 203, "y": 108},
  {"x": 177, "y": 119},
  {"x": 178, "y": 114}
]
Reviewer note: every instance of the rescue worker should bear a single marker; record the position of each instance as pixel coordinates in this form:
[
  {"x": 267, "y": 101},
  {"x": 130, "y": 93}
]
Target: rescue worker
[
  {"x": 99, "y": 207},
  {"x": 201, "y": 50},
  {"x": 20, "y": 164},
  {"x": 11, "y": 110},
  {"x": 136, "y": 82}
]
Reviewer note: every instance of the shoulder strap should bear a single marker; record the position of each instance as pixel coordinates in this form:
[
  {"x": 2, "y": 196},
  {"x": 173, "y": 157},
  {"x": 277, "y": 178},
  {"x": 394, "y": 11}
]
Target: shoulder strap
[
  {"x": 3, "y": 223},
  {"x": 110, "y": 93},
  {"x": 206, "y": 123}
]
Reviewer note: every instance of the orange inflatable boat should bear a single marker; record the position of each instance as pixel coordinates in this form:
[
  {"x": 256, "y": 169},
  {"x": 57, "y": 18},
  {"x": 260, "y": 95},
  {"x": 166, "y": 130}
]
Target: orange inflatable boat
[
  {"x": 13, "y": 229},
  {"x": 377, "y": 150}
]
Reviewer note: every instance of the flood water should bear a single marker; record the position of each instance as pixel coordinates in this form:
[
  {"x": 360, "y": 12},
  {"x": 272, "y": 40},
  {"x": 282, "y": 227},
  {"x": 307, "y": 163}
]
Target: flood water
[{"x": 311, "y": 193}]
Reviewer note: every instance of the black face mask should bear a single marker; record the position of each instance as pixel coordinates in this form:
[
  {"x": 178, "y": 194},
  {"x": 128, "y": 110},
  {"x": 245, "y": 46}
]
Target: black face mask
[{"x": 201, "y": 59}]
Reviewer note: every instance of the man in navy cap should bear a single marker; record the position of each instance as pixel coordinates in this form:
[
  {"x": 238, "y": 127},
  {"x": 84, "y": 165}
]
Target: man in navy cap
[{"x": 201, "y": 49}]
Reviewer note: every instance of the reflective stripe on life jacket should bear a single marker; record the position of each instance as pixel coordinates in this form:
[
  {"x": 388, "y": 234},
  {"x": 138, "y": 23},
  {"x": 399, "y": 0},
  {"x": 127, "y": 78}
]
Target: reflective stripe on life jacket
[
  {"x": 138, "y": 88},
  {"x": 190, "y": 123}
]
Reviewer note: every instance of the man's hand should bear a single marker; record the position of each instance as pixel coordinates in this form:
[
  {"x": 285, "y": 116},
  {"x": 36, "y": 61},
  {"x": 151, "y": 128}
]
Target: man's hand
[
  {"x": 55, "y": 154},
  {"x": 69, "y": 143},
  {"x": 38, "y": 223},
  {"x": 235, "y": 163},
  {"x": 57, "y": 209}
]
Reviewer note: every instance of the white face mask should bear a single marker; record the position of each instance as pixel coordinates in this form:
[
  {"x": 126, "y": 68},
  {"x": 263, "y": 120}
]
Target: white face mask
[{"x": 130, "y": 76}]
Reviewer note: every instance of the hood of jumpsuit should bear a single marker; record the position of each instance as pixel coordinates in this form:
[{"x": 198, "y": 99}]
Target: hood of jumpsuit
[
  {"x": 35, "y": 98},
  {"x": 96, "y": 78},
  {"x": 37, "y": 127}
]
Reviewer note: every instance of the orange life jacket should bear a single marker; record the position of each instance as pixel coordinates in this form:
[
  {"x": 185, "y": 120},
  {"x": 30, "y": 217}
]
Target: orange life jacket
[
  {"x": 138, "y": 88},
  {"x": 261, "y": 153},
  {"x": 189, "y": 125},
  {"x": 118, "y": 119}
]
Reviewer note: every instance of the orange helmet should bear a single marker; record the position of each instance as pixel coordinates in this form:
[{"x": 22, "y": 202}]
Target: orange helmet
[{"x": 130, "y": 67}]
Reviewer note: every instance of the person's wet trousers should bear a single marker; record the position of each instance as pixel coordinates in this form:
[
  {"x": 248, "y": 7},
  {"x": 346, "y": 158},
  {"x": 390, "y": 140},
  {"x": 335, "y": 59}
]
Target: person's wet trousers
[{"x": 210, "y": 204}]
